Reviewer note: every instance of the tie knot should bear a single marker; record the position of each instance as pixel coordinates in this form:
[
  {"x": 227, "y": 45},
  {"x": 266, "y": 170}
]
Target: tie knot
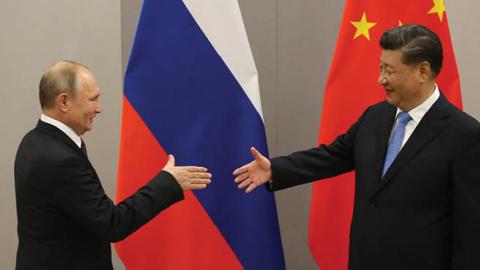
[{"x": 404, "y": 117}]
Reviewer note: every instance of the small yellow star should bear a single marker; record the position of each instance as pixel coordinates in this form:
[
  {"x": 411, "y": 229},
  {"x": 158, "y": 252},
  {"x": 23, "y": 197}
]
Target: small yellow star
[
  {"x": 400, "y": 23},
  {"x": 362, "y": 27},
  {"x": 439, "y": 8}
]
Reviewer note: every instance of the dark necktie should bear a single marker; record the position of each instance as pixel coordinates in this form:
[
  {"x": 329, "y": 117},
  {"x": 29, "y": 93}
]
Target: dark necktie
[
  {"x": 83, "y": 147},
  {"x": 396, "y": 140}
]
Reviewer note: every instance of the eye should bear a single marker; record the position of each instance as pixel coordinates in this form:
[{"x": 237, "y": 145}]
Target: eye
[
  {"x": 385, "y": 71},
  {"x": 389, "y": 71}
]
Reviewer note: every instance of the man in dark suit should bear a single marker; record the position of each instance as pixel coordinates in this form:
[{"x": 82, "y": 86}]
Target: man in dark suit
[
  {"x": 65, "y": 219},
  {"x": 417, "y": 188}
]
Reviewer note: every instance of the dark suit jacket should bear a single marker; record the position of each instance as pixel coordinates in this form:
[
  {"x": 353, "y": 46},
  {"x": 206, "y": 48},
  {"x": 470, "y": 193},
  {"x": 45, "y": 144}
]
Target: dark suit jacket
[
  {"x": 65, "y": 220},
  {"x": 425, "y": 212}
]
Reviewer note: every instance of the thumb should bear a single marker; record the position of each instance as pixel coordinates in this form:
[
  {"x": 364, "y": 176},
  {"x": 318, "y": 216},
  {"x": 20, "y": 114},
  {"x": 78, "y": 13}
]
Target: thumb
[
  {"x": 171, "y": 161},
  {"x": 256, "y": 155}
]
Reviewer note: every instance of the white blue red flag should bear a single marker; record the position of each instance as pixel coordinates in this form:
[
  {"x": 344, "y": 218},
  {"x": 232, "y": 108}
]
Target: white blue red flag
[{"x": 191, "y": 90}]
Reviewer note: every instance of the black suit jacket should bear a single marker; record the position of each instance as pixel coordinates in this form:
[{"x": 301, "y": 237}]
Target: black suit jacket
[
  {"x": 425, "y": 212},
  {"x": 65, "y": 220}
]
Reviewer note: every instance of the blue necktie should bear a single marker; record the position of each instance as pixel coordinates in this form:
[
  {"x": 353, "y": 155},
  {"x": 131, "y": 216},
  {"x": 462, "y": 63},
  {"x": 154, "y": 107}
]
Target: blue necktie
[{"x": 396, "y": 140}]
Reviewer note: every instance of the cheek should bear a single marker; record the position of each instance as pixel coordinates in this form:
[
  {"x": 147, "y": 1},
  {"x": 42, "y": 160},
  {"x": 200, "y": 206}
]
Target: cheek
[
  {"x": 409, "y": 86},
  {"x": 400, "y": 84},
  {"x": 90, "y": 111}
]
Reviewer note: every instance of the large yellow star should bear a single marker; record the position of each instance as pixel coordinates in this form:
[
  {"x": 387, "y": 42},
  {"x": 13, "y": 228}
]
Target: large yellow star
[
  {"x": 362, "y": 27},
  {"x": 439, "y": 8}
]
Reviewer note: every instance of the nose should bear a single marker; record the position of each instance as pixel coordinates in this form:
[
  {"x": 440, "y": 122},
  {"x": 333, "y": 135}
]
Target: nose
[
  {"x": 381, "y": 79},
  {"x": 98, "y": 108}
]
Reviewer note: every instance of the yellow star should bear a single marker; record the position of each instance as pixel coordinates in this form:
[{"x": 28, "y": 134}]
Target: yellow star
[
  {"x": 362, "y": 27},
  {"x": 400, "y": 23},
  {"x": 439, "y": 8}
]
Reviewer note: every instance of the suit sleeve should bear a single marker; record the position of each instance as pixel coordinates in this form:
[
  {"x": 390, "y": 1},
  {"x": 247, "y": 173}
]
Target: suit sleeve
[
  {"x": 316, "y": 163},
  {"x": 466, "y": 209},
  {"x": 81, "y": 196}
]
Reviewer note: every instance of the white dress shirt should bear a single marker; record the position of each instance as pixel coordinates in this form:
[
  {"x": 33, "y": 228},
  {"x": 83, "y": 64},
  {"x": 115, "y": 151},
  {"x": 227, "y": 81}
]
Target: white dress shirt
[
  {"x": 417, "y": 114},
  {"x": 66, "y": 129}
]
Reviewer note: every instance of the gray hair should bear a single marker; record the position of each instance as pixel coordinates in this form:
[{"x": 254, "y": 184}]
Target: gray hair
[{"x": 61, "y": 77}]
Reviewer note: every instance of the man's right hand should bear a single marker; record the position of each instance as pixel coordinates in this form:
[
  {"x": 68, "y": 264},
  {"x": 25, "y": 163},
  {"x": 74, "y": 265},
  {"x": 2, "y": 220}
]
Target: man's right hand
[
  {"x": 255, "y": 173},
  {"x": 188, "y": 177}
]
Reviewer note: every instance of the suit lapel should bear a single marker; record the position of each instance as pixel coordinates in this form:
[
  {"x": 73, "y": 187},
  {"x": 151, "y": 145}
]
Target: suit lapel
[
  {"x": 430, "y": 126},
  {"x": 383, "y": 135},
  {"x": 57, "y": 133}
]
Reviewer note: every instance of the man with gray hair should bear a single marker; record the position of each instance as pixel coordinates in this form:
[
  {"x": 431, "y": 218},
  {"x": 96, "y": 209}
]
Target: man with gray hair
[{"x": 65, "y": 219}]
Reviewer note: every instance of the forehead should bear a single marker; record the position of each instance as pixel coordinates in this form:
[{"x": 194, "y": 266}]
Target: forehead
[
  {"x": 88, "y": 83},
  {"x": 391, "y": 57}
]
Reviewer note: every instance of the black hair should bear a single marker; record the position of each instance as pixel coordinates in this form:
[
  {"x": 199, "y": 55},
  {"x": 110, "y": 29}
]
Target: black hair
[{"x": 417, "y": 43}]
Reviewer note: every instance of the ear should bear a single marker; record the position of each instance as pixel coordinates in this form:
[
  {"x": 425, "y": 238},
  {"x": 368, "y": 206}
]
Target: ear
[
  {"x": 424, "y": 71},
  {"x": 62, "y": 101}
]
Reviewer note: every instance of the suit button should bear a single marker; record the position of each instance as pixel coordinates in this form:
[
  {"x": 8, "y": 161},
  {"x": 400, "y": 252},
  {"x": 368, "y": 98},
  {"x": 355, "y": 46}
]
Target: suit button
[{"x": 372, "y": 204}]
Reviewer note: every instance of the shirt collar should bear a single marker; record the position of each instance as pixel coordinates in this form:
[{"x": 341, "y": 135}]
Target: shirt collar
[
  {"x": 66, "y": 129},
  {"x": 419, "y": 112}
]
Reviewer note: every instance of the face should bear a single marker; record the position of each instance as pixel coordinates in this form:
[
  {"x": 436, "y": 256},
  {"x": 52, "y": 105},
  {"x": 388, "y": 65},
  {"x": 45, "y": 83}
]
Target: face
[
  {"x": 84, "y": 106},
  {"x": 402, "y": 83}
]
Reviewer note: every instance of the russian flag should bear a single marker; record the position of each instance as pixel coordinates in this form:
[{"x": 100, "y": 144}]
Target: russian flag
[{"x": 191, "y": 90}]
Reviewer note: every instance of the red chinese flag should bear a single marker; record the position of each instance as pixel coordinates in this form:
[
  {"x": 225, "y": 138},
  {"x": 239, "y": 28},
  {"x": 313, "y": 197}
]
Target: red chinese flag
[{"x": 352, "y": 87}]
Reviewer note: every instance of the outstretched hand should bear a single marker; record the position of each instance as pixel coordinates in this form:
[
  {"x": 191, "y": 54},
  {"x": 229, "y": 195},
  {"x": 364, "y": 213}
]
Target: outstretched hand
[
  {"x": 188, "y": 177},
  {"x": 255, "y": 173}
]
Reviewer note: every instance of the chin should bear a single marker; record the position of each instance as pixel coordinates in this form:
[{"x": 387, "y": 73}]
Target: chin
[
  {"x": 392, "y": 101},
  {"x": 87, "y": 128}
]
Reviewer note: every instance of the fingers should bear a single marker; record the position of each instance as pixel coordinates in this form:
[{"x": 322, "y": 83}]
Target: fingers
[
  {"x": 245, "y": 183},
  {"x": 201, "y": 175},
  {"x": 251, "y": 187},
  {"x": 198, "y": 179},
  {"x": 198, "y": 186},
  {"x": 241, "y": 177},
  {"x": 241, "y": 170},
  {"x": 194, "y": 181},
  {"x": 249, "y": 184},
  {"x": 193, "y": 168},
  {"x": 188, "y": 177}
]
